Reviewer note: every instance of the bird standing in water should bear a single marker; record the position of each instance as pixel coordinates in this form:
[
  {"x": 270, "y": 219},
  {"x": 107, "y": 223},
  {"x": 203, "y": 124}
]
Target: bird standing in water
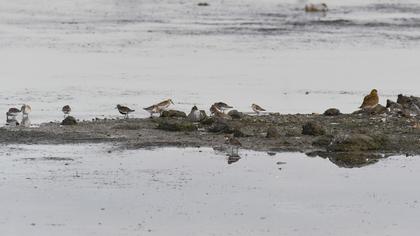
[{"x": 370, "y": 101}]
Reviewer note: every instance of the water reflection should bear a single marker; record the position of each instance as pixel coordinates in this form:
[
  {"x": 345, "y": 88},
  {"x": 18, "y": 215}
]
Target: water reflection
[
  {"x": 232, "y": 159},
  {"x": 348, "y": 159}
]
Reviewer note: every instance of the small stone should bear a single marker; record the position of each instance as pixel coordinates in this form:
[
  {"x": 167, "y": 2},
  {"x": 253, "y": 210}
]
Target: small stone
[
  {"x": 332, "y": 112},
  {"x": 220, "y": 127},
  {"x": 235, "y": 114},
  {"x": 173, "y": 113},
  {"x": 203, "y": 4},
  {"x": 355, "y": 143},
  {"x": 312, "y": 128},
  {"x": 238, "y": 133},
  {"x": 69, "y": 120},
  {"x": 176, "y": 126},
  {"x": 272, "y": 132}
]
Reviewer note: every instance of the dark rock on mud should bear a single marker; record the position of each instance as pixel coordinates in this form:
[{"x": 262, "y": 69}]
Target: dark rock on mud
[
  {"x": 208, "y": 121},
  {"x": 377, "y": 110},
  {"x": 348, "y": 159},
  {"x": 173, "y": 113},
  {"x": 332, "y": 112},
  {"x": 220, "y": 126},
  {"x": 235, "y": 114},
  {"x": 393, "y": 105},
  {"x": 272, "y": 132},
  {"x": 313, "y": 128},
  {"x": 176, "y": 125},
  {"x": 203, "y": 4},
  {"x": 69, "y": 120},
  {"x": 412, "y": 104},
  {"x": 238, "y": 133},
  {"x": 323, "y": 141},
  {"x": 355, "y": 143}
]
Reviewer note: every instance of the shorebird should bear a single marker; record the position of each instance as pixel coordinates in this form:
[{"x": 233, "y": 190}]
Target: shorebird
[
  {"x": 11, "y": 119},
  {"x": 221, "y": 106},
  {"x": 234, "y": 144},
  {"x": 66, "y": 110},
  {"x": 153, "y": 109},
  {"x": 370, "y": 101},
  {"x": 26, "y": 109},
  {"x": 217, "y": 113},
  {"x": 257, "y": 109},
  {"x": 195, "y": 114},
  {"x": 13, "y": 112},
  {"x": 321, "y": 7},
  {"x": 164, "y": 104},
  {"x": 124, "y": 110}
]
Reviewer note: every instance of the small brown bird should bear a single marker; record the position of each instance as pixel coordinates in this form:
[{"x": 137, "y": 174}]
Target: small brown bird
[
  {"x": 234, "y": 144},
  {"x": 218, "y": 114},
  {"x": 124, "y": 110},
  {"x": 221, "y": 106},
  {"x": 153, "y": 109},
  {"x": 257, "y": 109},
  {"x": 165, "y": 104},
  {"x": 370, "y": 101},
  {"x": 66, "y": 110}
]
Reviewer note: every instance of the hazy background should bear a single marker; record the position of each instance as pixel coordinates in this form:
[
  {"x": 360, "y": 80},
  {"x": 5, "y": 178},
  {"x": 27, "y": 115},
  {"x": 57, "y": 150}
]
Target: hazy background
[{"x": 95, "y": 54}]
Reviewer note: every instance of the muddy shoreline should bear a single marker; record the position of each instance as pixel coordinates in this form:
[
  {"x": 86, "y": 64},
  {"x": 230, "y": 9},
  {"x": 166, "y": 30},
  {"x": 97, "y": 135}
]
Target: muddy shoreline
[{"x": 354, "y": 137}]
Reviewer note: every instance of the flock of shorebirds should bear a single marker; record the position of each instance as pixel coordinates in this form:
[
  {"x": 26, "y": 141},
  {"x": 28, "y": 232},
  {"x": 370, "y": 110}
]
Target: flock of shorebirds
[{"x": 218, "y": 110}]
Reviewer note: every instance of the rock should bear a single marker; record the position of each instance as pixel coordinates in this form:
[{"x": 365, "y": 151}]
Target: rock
[
  {"x": 332, "y": 112},
  {"x": 238, "y": 133},
  {"x": 176, "y": 125},
  {"x": 323, "y": 141},
  {"x": 69, "y": 120},
  {"x": 203, "y": 4},
  {"x": 312, "y": 128},
  {"x": 403, "y": 100},
  {"x": 220, "y": 127},
  {"x": 272, "y": 132},
  {"x": 208, "y": 121},
  {"x": 355, "y": 143},
  {"x": 173, "y": 113},
  {"x": 393, "y": 105},
  {"x": 377, "y": 110},
  {"x": 404, "y": 113},
  {"x": 235, "y": 114}
]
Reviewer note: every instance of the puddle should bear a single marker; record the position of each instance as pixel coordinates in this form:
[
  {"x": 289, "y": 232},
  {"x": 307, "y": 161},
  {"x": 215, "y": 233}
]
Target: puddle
[{"x": 86, "y": 190}]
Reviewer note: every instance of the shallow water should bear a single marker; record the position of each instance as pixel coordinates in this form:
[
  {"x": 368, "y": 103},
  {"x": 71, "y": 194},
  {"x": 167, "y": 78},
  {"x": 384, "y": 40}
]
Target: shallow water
[
  {"x": 97, "y": 54},
  {"x": 86, "y": 190}
]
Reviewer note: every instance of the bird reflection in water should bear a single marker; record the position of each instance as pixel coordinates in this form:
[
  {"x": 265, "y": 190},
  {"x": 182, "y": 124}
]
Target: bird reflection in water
[{"x": 232, "y": 159}]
